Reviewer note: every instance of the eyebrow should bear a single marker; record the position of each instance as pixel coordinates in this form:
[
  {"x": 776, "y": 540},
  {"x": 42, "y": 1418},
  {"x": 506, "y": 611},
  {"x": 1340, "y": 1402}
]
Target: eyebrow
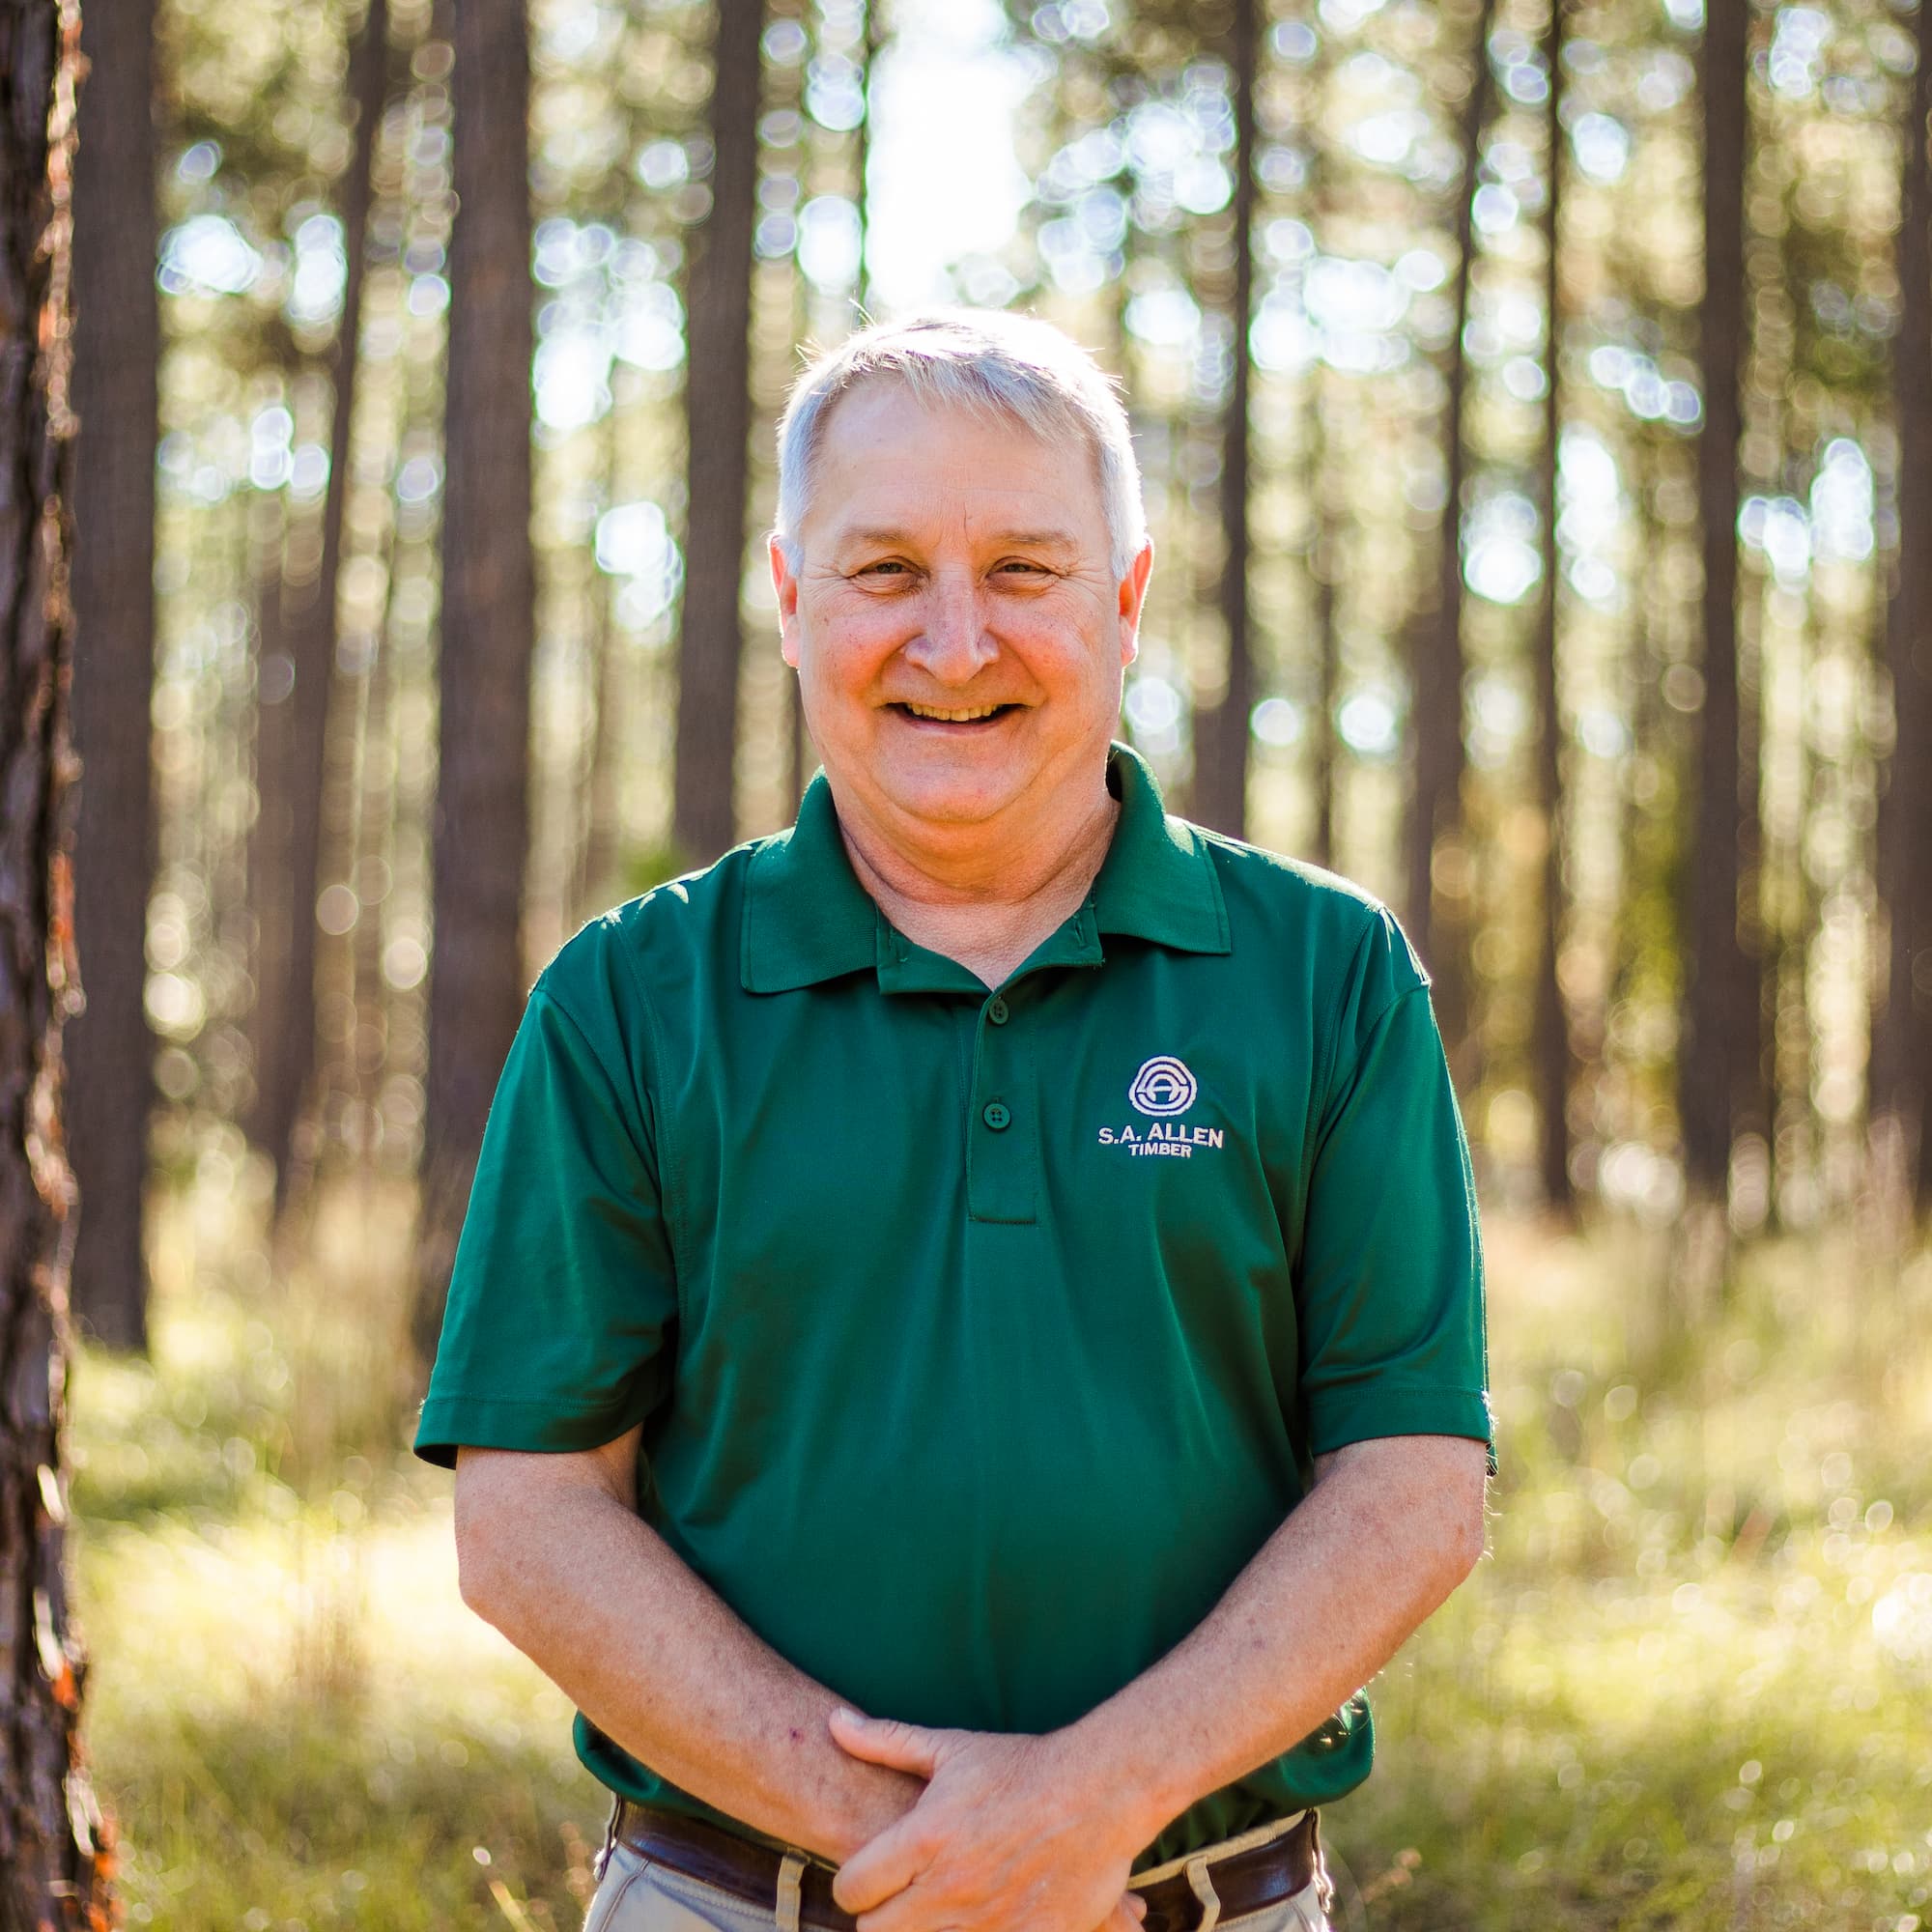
[{"x": 889, "y": 534}]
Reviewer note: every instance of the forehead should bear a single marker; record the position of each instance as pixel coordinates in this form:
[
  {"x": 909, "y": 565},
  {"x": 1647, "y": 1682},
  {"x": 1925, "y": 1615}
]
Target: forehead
[{"x": 886, "y": 449}]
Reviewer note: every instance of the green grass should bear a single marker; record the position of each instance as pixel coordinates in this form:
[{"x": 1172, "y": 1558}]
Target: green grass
[{"x": 1691, "y": 1687}]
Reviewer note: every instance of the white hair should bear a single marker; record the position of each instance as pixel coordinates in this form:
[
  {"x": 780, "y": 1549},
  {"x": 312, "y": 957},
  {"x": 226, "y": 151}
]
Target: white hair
[{"x": 1013, "y": 368}]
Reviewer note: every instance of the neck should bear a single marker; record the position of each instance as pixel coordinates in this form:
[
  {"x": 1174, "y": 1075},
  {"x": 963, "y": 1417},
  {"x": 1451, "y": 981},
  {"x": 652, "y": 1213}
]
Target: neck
[{"x": 985, "y": 900}]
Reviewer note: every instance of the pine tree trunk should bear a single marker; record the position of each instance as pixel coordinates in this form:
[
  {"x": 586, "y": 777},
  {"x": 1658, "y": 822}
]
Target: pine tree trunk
[
  {"x": 489, "y": 619},
  {"x": 597, "y": 848},
  {"x": 862, "y": 291},
  {"x": 1222, "y": 736},
  {"x": 1323, "y": 776},
  {"x": 1324, "y": 556},
  {"x": 1436, "y": 694},
  {"x": 1901, "y": 1052},
  {"x": 286, "y": 1066},
  {"x": 718, "y": 420},
  {"x": 117, "y": 346},
  {"x": 54, "y": 1865},
  {"x": 1552, "y": 1041},
  {"x": 1718, "y": 1063}
]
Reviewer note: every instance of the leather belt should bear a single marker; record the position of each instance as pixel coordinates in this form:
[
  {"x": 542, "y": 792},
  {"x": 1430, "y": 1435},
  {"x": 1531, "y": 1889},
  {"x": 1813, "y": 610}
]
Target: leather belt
[
  {"x": 713, "y": 1856},
  {"x": 1243, "y": 1882}
]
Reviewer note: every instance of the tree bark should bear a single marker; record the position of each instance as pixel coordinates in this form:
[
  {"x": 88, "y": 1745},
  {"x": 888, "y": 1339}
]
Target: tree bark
[
  {"x": 718, "y": 419},
  {"x": 286, "y": 1041},
  {"x": 489, "y": 620},
  {"x": 1325, "y": 552},
  {"x": 603, "y": 790},
  {"x": 1325, "y": 560},
  {"x": 1222, "y": 736},
  {"x": 1435, "y": 681},
  {"x": 1718, "y": 1064},
  {"x": 1550, "y": 1029},
  {"x": 117, "y": 345},
  {"x": 54, "y": 1855},
  {"x": 1901, "y": 1051}
]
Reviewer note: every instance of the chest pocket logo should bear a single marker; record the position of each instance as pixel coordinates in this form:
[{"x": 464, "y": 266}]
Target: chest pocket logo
[{"x": 1163, "y": 1088}]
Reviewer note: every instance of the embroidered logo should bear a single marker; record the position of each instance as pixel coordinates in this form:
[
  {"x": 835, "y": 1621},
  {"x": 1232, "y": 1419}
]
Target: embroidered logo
[{"x": 1162, "y": 1088}]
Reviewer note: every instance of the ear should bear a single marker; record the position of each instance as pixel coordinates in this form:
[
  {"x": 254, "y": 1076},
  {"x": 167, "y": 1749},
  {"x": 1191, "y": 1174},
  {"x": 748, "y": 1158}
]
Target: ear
[
  {"x": 785, "y": 585},
  {"x": 1133, "y": 596}
]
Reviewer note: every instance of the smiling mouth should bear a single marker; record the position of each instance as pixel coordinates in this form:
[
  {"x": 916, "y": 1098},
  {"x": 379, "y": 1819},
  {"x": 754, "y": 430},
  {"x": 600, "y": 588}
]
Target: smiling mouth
[{"x": 964, "y": 717}]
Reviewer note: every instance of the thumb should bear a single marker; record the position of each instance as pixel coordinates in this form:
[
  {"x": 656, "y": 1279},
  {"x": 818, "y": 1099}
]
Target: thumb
[{"x": 887, "y": 1741}]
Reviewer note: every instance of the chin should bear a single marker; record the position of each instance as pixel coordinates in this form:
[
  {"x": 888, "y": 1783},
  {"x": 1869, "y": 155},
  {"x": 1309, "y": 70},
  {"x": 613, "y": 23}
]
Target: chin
[{"x": 960, "y": 797}]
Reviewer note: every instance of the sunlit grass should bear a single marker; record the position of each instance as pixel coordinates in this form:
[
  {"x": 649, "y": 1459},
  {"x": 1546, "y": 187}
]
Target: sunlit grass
[
  {"x": 1691, "y": 1687},
  {"x": 1690, "y": 1684}
]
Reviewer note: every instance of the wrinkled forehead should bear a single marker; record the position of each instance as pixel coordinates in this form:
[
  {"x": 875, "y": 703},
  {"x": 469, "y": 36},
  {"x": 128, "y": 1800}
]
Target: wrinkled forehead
[{"x": 886, "y": 432}]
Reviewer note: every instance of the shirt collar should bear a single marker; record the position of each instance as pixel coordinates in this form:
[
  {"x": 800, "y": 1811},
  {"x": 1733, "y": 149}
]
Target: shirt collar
[
  {"x": 1158, "y": 880},
  {"x": 807, "y": 918}
]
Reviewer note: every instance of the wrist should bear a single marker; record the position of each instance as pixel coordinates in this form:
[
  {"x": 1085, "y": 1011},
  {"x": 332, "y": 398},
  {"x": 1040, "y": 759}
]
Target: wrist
[
  {"x": 870, "y": 1805},
  {"x": 1123, "y": 1785}
]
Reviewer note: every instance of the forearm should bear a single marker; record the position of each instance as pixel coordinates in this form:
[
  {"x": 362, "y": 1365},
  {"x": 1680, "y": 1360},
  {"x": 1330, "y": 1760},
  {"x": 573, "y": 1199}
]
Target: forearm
[
  {"x": 658, "y": 1664},
  {"x": 1376, "y": 1545}
]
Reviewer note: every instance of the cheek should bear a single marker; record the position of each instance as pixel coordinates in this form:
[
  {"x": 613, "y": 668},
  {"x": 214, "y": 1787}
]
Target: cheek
[
  {"x": 1066, "y": 659},
  {"x": 843, "y": 648}
]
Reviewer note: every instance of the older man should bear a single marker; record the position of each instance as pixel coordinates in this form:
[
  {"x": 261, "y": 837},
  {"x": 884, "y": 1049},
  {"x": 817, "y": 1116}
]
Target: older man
[{"x": 967, "y": 1349}]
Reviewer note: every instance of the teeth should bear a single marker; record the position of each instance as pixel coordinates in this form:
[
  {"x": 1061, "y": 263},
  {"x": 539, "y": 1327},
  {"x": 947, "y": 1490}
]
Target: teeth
[{"x": 952, "y": 717}]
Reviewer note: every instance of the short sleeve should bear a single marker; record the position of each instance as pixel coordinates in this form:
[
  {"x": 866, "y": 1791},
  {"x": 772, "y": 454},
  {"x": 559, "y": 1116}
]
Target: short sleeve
[
  {"x": 1389, "y": 1287},
  {"x": 563, "y": 1289}
]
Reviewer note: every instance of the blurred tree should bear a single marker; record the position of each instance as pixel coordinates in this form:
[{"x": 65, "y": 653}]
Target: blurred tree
[
  {"x": 717, "y": 416},
  {"x": 839, "y": 132},
  {"x": 1901, "y": 1055},
  {"x": 305, "y": 630},
  {"x": 1551, "y": 1043},
  {"x": 54, "y": 1863},
  {"x": 117, "y": 350},
  {"x": 1435, "y": 695},
  {"x": 1352, "y": 189},
  {"x": 489, "y": 592},
  {"x": 801, "y": 165},
  {"x": 1325, "y": 544},
  {"x": 1717, "y": 1063},
  {"x": 1222, "y": 736}
]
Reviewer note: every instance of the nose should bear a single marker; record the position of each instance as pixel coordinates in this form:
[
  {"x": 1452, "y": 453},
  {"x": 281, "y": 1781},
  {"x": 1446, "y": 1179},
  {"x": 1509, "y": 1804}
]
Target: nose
[{"x": 953, "y": 644}]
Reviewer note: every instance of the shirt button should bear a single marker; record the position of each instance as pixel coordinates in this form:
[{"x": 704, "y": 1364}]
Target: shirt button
[
  {"x": 997, "y": 1114},
  {"x": 998, "y": 1011}
]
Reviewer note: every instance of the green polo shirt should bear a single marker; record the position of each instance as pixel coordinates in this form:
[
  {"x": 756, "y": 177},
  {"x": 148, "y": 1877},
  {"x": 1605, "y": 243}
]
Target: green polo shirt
[{"x": 979, "y": 1338}]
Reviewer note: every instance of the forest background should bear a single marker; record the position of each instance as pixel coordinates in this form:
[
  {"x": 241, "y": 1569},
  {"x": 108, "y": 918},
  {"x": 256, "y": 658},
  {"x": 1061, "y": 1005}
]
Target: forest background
[{"x": 1525, "y": 391}]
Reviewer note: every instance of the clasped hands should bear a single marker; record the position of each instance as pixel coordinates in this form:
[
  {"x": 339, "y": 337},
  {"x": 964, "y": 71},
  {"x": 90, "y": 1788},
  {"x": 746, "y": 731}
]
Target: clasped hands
[{"x": 1006, "y": 1837}]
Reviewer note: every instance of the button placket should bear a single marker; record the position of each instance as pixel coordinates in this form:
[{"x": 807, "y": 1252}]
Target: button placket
[{"x": 1001, "y": 1139}]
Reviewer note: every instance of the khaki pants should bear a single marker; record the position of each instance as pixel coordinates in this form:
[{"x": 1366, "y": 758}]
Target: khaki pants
[{"x": 638, "y": 1895}]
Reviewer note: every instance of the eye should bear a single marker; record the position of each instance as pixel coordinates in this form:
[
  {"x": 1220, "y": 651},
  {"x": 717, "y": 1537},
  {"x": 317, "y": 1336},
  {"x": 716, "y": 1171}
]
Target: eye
[
  {"x": 1026, "y": 564},
  {"x": 885, "y": 567}
]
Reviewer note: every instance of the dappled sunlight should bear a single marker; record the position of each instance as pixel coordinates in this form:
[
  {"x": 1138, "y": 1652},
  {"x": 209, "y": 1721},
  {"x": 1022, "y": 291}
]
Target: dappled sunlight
[
  {"x": 1525, "y": 400},
  {"x": 292, "y": 1670},
  {"x": 1688, "y": 1670},
  {"x": 1696, "y": 1664}
]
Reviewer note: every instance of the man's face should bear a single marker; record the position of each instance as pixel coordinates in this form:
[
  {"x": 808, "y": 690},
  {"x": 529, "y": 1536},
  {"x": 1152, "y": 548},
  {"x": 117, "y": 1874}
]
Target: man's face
[{"x": 958, "y": 565}]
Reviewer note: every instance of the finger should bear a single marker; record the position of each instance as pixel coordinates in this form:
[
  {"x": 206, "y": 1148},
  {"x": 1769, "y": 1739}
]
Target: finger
[
  {"x": 916, "y": 1909},
  {"x": 1128, "y": 1915},
  {"x": 1135, "y": 1904},
  {"x": 881, "y": 1869},
  {"x": 887, "y": 1741}
]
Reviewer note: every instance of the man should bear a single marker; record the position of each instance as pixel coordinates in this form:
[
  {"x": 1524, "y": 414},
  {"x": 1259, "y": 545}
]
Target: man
[{"x": 994, "y": 1258}]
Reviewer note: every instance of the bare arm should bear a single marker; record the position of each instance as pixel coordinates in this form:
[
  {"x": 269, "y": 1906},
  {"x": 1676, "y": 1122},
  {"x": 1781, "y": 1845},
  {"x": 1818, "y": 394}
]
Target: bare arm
[
  {"x": 550, "y": 1550},
  {"x": 1391, "y": 1527},
  {"x": 1389, "y": 1530}
]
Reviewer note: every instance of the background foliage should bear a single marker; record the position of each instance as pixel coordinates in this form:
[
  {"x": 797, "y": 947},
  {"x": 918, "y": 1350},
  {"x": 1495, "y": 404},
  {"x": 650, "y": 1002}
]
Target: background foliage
[{"x": 1414, "y": 310}]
